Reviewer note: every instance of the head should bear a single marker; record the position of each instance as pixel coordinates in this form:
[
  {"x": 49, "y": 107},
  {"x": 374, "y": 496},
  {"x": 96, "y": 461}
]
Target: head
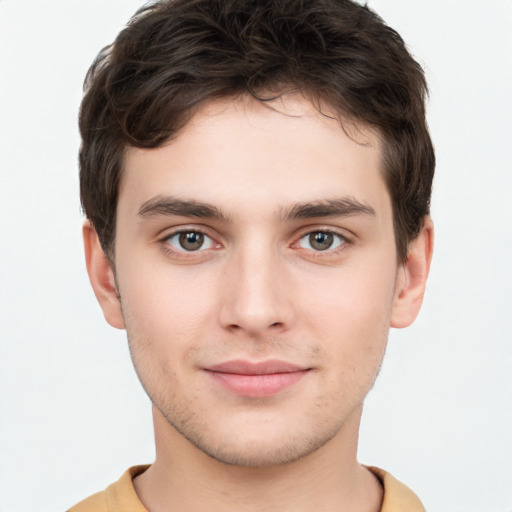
[
  {"x": 256, "y": 176},
  {"x": 175, "y": 56}
]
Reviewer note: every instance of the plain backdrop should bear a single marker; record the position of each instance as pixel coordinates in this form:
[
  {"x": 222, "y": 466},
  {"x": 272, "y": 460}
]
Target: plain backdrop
[{"x": 73, "y": 416}]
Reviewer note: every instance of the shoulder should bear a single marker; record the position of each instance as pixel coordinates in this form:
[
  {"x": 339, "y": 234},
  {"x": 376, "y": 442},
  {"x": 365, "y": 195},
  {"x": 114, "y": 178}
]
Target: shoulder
[
  {"x": 117, "y": 497},
  {"x": 95, "y": 503},
  {"x": 397, "y": 496}
]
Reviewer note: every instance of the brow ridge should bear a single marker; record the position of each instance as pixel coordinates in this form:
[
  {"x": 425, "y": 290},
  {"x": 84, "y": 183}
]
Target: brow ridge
[
  {"x": 169, "y": 205},
  {"x": 344, "y": 206}
]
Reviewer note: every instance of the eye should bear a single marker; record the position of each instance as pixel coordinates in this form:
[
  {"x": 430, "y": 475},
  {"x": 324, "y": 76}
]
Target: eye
[
  {"x": 321, "y": 241},
  {"x": 190, "y": 241}
]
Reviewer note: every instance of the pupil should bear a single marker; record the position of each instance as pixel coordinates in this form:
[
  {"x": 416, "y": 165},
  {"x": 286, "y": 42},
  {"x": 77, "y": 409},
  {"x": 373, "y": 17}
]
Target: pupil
[
  {"x": 321, "y": 241},
  {"x": 191, "y": 241}
]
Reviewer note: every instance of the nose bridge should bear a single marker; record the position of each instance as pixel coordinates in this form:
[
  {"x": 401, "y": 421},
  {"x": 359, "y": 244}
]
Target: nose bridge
[{"x": 256, "y": 298}]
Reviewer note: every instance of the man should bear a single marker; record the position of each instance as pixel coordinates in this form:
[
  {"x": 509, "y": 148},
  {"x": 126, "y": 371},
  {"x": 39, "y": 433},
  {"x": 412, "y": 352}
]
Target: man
[{"x": 256, "y": 177}]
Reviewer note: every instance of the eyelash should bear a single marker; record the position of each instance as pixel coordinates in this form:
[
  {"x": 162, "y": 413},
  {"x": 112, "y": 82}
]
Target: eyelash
[
  {"x": 183, "y": 253},
  {"x": 344, "y": 241}
]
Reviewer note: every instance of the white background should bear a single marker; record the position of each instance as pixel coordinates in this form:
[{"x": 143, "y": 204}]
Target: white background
[{"x": 72, "y": 414}]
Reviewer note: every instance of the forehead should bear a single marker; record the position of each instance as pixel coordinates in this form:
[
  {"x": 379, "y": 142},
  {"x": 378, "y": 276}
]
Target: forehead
[{"x": 242, "y": 153}]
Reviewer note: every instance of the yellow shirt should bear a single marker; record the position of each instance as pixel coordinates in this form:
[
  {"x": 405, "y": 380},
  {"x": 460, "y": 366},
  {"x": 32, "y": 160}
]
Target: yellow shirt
[{"x": 121, "y": 496}]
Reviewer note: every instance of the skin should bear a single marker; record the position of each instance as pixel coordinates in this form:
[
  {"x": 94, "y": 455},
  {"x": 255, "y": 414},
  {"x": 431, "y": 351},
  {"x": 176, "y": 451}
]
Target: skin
[{"x": 258, "y": 289}]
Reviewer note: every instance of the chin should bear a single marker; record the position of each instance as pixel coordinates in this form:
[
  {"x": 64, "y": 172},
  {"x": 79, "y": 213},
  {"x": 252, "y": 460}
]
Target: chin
[
  {"x": 260, "y": 448},
  {"x": 259, "y": 456}
]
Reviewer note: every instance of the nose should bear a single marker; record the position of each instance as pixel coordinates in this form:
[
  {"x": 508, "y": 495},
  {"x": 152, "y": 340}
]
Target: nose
[{"x": 256, "y": 296}]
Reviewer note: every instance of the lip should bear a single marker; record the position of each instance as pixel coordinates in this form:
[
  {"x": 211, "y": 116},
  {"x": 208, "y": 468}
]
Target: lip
[{"x": 256, "y": 379}]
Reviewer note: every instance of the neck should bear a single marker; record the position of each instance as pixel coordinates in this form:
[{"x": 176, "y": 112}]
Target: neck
[{"x": 184, "y": 478}]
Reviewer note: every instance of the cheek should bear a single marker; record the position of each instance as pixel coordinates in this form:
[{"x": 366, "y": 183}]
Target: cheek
[
  {"x": 352, "y": 315},
  {"x": 351, "y": 297},
  {"x": 166, "y": 311}
]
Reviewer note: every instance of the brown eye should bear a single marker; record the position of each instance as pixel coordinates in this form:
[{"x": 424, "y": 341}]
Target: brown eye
[
  {"x": 321, "y": 241},
  {"x": 190, "y": 241}
]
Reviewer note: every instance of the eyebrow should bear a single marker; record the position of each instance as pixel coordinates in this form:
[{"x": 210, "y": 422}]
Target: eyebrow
[
  {"x": 168, "y": 205},
  {"x": 344, "y": 206}
]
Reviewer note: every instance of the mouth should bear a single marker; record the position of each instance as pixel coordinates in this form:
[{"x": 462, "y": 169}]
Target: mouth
[{"x": 256, "y": 379}]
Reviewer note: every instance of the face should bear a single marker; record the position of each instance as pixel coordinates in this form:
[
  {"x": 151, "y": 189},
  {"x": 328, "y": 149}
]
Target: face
[{"x": 257, "y": 271}]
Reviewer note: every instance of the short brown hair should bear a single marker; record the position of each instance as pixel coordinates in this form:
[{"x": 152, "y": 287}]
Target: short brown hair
[{"x": 176, "y": 54}]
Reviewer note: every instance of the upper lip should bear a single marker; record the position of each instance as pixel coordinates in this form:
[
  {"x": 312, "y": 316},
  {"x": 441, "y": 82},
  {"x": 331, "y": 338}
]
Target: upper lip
[{"x": 268, "y": 367}]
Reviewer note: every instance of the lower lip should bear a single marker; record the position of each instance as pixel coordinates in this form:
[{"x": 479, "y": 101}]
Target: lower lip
[{"x": 257, "y": 386}]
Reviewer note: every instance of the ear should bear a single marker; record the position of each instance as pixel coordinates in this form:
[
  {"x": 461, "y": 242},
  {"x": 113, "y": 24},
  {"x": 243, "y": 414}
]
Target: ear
[
  {"x": 101, "y": 277},
  {"x": 412, "y": 278}
]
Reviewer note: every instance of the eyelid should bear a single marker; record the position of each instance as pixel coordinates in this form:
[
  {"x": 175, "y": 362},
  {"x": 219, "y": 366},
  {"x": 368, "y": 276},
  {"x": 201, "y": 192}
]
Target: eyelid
[
  {"x": 183, "y": 253},
  {"x": 206, "y": 240},
  {"x": 319, "y": 228},
  {"x": 337, "y": 241},
  {"x": 168, "y": 232},
  {"x": 348, "y": 239}
]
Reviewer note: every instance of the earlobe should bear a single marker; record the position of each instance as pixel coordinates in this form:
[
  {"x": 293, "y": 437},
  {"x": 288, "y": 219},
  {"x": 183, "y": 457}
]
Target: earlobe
[
  {"x": 412, "y": 278},
  {"x": 101, "y": 277}
]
